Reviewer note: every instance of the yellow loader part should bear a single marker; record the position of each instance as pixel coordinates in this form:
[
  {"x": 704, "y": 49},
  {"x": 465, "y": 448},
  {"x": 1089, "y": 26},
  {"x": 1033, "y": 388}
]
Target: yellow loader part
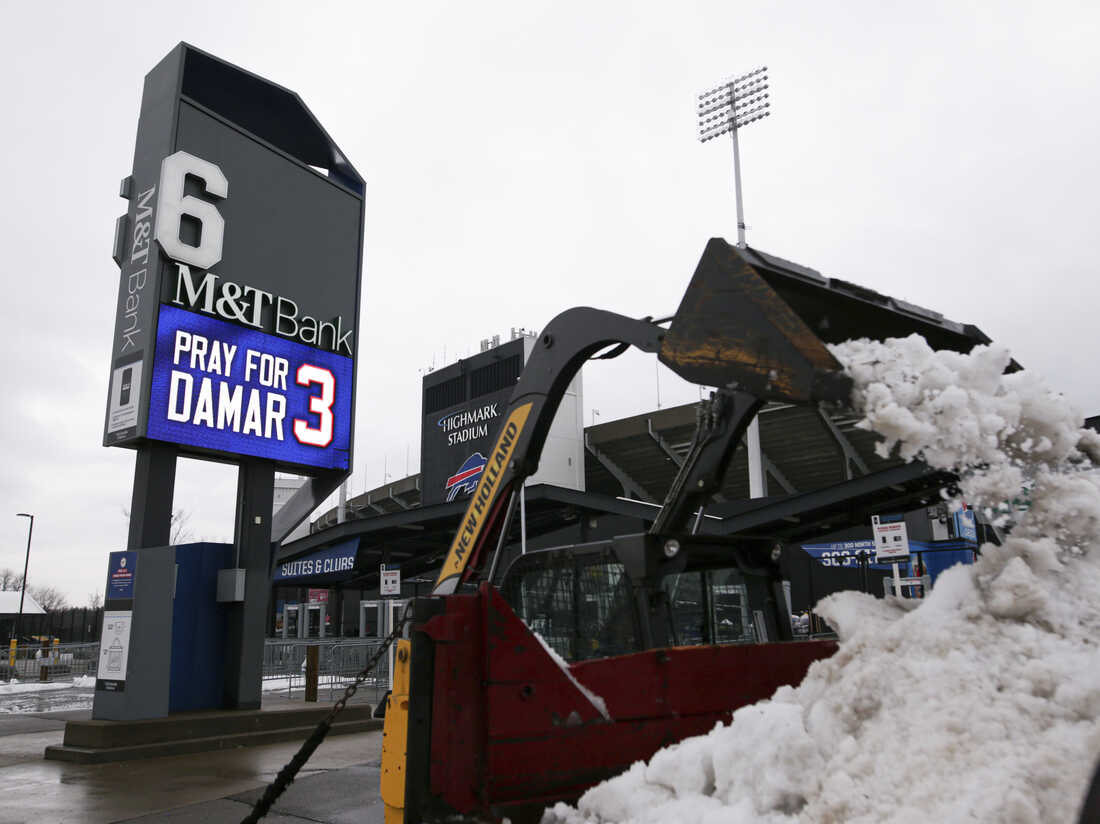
[{"x": 395, "y": 732}]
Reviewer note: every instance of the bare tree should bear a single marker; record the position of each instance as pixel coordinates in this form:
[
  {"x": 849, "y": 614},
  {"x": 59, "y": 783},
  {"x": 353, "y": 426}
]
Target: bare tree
[
  {"x": 50, "y": 599},
  {"x": 181, "y": 525},
  {"x": 95, "y": 600},
  {"x": 181, "y": 529},
  {"x": 10, "y": 580}
]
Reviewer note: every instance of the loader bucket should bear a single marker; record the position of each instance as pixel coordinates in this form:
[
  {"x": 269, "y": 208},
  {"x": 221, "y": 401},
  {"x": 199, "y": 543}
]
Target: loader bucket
[
  {"x": 732, "y": 328},
  {"x": 761, "y": 322}
]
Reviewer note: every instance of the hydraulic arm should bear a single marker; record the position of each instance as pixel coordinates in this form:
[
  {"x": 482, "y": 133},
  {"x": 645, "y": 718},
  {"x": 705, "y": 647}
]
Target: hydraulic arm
[{"x": 732, "y": 330}]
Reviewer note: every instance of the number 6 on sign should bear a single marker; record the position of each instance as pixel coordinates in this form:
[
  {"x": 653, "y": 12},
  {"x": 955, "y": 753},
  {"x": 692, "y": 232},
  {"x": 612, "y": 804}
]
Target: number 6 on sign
[
  {"x": 173, "y": 206},
  {"x": 321, "y": 406}
]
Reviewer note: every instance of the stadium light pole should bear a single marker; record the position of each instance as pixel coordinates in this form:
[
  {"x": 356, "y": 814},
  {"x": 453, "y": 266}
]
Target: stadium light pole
[
  {"x": 727, "y": 108},
  {"x": 26, "y": 565}
]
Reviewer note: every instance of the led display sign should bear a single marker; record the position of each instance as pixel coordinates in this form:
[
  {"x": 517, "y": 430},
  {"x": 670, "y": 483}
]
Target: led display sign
[{"x": 223, "y": 387}]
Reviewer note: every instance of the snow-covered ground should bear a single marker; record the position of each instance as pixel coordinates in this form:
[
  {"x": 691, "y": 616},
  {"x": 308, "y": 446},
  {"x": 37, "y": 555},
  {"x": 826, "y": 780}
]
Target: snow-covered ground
[
  {"x": 980, "y": 703},
  {"x": 15, "y": 687},
  {"x": 297, "y": 683},
  {"x": 21, "y": 698}
]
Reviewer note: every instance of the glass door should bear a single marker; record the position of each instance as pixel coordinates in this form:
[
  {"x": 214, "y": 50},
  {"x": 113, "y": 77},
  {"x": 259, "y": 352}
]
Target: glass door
[
  {"x": 290, "y": 621},
  {"x": 315, "y": 620}
]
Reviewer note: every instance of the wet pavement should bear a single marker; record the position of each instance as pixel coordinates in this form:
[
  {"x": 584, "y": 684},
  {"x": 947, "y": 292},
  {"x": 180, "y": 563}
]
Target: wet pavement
[
  {"x": 339, "y": 784},
  {"x": 346, "y": 796}
]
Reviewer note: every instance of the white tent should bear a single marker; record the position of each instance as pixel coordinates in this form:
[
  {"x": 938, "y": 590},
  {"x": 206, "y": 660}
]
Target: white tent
[{"x": 9, "y": 604}]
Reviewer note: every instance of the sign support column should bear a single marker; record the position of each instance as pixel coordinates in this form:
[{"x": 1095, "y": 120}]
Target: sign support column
[
  {"x": 151, "y": 503},
  {"x": 247, "y": 619}
]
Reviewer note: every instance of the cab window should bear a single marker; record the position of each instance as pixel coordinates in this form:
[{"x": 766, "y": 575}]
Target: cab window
[
  {"x": 708, "y": 607},
  {"x": 580, "y": 604}
]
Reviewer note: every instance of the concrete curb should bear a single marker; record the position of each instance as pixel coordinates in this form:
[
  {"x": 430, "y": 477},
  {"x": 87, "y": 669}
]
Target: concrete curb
[{"x": 98, "y": 742}]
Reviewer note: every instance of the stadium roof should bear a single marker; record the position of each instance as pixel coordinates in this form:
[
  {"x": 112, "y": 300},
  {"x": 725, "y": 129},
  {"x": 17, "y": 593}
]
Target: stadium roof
[
  {"x": 805, "y": 449},
  {"x": 822, "y": 474}
]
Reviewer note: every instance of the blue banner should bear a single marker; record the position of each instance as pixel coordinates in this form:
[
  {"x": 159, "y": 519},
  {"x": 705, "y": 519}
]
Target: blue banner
[
  {"x": 845, "y": 553},
  {"x": 338, "y": 561},
  {"x": 936, "y": 556},
  {"x": 121, "y": 568},
  {"x": 240, "y": 391}
]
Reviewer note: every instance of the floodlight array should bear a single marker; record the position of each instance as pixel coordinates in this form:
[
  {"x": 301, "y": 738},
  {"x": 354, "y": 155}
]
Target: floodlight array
[
  {"x": 726, "y": 122},
  {"x": 736, "y": 103},
  {"x": 734, "y": 82},
  {"x": 742, "y": 100},
  {"x": 731, "y": 94}
]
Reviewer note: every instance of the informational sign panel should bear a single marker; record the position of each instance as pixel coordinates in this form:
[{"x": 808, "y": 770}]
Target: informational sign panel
[
  {"x": 114, "y": 650},
  {"x": 238, "y": 309},
  {"x": 122, "y": 409},
  {"x": 118, "y": 602},
  {"x": 891, "y": 538},
  {"x": 390, "y": 580},
  {"x": 121, "y": 568}
]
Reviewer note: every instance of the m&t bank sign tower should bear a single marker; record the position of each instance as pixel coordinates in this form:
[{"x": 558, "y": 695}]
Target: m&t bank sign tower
[{"x": 236, "y": 327}]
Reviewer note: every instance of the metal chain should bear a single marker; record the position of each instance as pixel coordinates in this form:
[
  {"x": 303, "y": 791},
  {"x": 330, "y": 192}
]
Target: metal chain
[{"x": 287, "y": 773}]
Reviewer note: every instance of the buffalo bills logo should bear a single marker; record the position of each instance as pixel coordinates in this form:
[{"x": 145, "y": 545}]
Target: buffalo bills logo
[{"x": 464, "y": 481}]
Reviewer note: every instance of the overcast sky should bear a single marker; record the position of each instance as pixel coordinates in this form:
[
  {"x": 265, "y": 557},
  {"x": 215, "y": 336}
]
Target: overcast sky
[{"x": 522, "y": 158}]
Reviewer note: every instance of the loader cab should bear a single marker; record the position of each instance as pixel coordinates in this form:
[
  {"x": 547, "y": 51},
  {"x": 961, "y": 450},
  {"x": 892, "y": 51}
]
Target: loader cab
[
  {"x": 579, "y": 599},
  {"x": 625, "y": 595}
]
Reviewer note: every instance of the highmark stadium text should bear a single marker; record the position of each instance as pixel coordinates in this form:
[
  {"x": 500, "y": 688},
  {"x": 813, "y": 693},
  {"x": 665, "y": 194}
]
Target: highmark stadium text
[{"x": 223, "y": 387}]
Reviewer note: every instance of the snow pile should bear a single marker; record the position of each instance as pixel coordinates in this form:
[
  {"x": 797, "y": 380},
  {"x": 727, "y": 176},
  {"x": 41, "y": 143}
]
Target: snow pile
[{"x": 980, "y": 703}]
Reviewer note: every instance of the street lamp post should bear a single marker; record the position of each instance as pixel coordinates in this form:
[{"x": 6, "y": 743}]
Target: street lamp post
[
  {"x": 728, "y": 107},
  {"x": 26, "y": 565}
]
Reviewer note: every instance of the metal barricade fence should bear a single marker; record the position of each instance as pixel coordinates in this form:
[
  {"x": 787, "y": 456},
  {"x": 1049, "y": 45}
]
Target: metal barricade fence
[
  {"x": 74, "y": 663},
  {"x": 339, "y": 661},
  {"x": 283, "y": 665}
]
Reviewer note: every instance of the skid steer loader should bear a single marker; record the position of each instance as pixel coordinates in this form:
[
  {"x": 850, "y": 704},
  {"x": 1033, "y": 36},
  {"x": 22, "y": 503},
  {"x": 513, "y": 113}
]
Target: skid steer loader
[{"x": 516, "y": 688}]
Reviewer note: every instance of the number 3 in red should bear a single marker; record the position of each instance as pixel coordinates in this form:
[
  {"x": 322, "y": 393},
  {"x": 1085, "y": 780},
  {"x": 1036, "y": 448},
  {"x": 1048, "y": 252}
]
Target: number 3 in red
[{"x": 319, "y": 405}]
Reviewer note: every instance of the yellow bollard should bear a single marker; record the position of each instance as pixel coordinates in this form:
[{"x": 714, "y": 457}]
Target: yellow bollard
[{"x": 11, "y": 652}]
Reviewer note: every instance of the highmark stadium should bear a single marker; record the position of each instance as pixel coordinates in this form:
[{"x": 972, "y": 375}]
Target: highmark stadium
[{"x": 820, "y": 472}]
